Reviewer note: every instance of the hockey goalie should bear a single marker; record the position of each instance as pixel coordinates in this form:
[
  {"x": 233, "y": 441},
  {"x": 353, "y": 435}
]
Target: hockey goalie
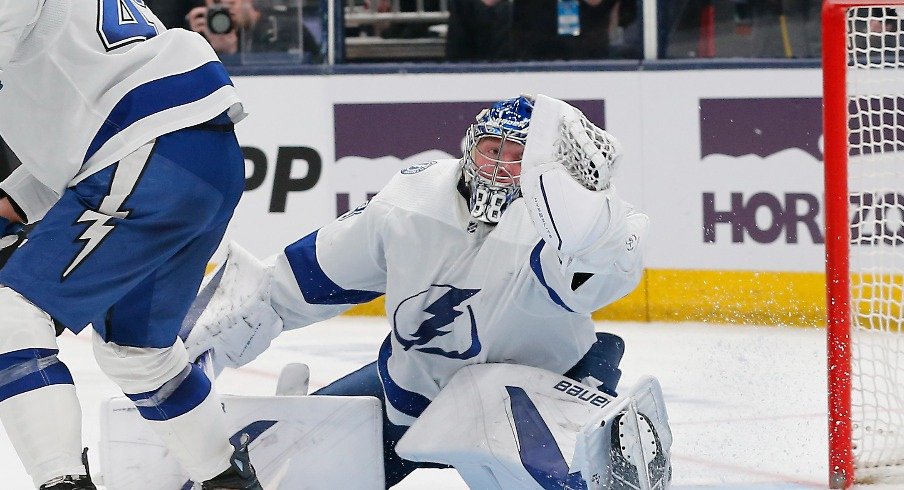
[{"x": 491, "y": 266}]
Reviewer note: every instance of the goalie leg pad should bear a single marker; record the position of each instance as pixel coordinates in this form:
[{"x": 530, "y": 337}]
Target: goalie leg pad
[
  {"x": 511, "y": 426},
  {"x": 366, "y": 382},
  {"x": 294, "y": 442}
]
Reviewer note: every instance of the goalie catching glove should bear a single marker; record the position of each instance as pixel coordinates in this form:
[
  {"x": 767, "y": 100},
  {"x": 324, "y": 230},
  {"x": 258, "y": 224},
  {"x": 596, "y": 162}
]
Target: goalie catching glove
[
  {"x": 238, "y": 322},
  {"x": 565, "y": 180}
]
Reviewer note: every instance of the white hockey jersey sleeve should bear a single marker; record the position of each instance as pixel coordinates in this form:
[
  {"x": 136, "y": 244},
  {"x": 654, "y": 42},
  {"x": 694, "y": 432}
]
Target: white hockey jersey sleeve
[
  {"x": 15, "y": 16},
  {"x": 330, "y": 270}
]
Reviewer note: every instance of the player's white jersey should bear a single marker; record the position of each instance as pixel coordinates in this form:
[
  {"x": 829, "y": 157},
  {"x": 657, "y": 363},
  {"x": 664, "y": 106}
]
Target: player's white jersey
[
  {"x": 458, "y": 291},
  {"x": 85, "y": 82}
]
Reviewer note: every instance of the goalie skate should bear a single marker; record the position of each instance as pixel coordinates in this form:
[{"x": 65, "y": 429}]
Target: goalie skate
[
  {"x": 638, "y": 461},
  {"x": 69, "y": 483}
]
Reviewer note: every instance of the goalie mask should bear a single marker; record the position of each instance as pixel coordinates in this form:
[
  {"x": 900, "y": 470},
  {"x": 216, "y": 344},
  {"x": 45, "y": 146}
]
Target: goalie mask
[{"x": 491, "y": 166}]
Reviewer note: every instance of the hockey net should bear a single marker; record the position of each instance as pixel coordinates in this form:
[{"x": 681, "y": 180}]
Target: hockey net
[{"x": 863, "y": 88}]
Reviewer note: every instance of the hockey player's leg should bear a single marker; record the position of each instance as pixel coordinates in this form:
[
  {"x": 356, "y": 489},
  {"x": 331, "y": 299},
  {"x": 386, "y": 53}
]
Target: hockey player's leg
[
  {"x": 182, "y": 408},
  {"x": 38, "y": 404},
  {"x": 138, "y": 346}
]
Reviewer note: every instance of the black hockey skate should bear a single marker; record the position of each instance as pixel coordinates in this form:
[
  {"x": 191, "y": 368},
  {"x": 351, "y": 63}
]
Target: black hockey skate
[
  {"x": 72, "y": 482},
  {"x": 239, "y": 476},
  {"x": 637, "y": 468}
]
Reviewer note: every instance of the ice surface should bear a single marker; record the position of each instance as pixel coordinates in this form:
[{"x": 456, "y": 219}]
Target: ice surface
[{"x": 747, "y": 404}]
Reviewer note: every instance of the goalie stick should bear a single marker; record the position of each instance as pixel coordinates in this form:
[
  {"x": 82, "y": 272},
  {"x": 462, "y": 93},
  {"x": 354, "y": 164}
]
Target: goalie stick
[
  {"x": 201, "y": 301},
  {"x": 206, "y": 360}
]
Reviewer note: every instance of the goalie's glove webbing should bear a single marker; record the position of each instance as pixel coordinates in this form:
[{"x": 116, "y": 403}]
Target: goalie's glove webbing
[{"x": 590, "y": 154}]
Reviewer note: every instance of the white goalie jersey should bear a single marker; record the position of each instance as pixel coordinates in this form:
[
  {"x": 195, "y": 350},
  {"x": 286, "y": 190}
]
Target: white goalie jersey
[
  {"x": 458, "y": 291},
  {"x": 96, "y": 79}
]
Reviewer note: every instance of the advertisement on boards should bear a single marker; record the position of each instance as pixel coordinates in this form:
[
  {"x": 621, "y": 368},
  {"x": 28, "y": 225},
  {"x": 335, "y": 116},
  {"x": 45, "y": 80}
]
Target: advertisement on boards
[
  {"x": 310, "y": 158},
  {"x": 733, "y": 177},
  {"x": 727, "y": 163}
]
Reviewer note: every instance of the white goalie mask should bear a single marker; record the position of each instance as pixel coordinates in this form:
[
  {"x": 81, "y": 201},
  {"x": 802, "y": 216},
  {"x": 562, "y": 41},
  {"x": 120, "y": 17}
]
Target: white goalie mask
[{"x": 491, "y": 166}]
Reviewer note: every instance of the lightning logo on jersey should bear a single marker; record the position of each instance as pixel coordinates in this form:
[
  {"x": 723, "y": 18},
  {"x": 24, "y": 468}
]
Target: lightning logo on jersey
[
  {"x": 125, "y": 178},
  {"x": 442, "y": 313}
]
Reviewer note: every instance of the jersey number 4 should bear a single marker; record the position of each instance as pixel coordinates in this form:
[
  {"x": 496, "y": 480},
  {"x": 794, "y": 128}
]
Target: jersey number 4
[{"x": 121, "y": 22}]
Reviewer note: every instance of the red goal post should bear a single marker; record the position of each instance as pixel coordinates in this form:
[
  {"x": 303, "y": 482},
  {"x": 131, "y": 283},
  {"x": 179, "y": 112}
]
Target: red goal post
[{"x": 863, "y": 101}]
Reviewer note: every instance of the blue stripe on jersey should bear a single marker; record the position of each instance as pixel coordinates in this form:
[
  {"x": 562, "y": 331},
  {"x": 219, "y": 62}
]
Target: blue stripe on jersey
[
  {"x": 408, "y": 402},
  {"x": 538, "y": 271},
  {"x": 160, "y": 95},
  {"x": 540, "y": 454},
  {"x": 176, "y": 397},
  {"x": 316, "y": 287},
  {"x": 29, "y": 369}
]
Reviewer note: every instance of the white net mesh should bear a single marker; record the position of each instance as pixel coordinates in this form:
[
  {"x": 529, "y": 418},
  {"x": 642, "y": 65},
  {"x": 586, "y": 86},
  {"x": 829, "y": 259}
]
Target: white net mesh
[
  {"x": 590, "y": 154},
  {"x": 875, "y": 88}
]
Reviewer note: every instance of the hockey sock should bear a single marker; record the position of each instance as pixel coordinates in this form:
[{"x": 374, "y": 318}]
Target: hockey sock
[
  {"x": 45, "y": 427},
  {"x": 186, "y": 414}
]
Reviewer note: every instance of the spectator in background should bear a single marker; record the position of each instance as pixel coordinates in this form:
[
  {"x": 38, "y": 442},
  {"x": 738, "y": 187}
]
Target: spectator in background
[
  {"x": 255, "y": 30},
  {"x": 243, "y": 15},
  {"x": 543, "y": 29},
  {"x": 479, "y": 30}
]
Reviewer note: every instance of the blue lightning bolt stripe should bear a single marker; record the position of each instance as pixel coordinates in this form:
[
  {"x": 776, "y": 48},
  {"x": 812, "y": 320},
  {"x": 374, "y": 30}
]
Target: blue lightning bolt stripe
[
  {"x": 443, "y": 314},
  {"x": 470, "y": 352}
]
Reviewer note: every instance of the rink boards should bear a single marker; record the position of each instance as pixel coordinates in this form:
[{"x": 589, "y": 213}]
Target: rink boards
[{"x": 727, "y": 164}]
